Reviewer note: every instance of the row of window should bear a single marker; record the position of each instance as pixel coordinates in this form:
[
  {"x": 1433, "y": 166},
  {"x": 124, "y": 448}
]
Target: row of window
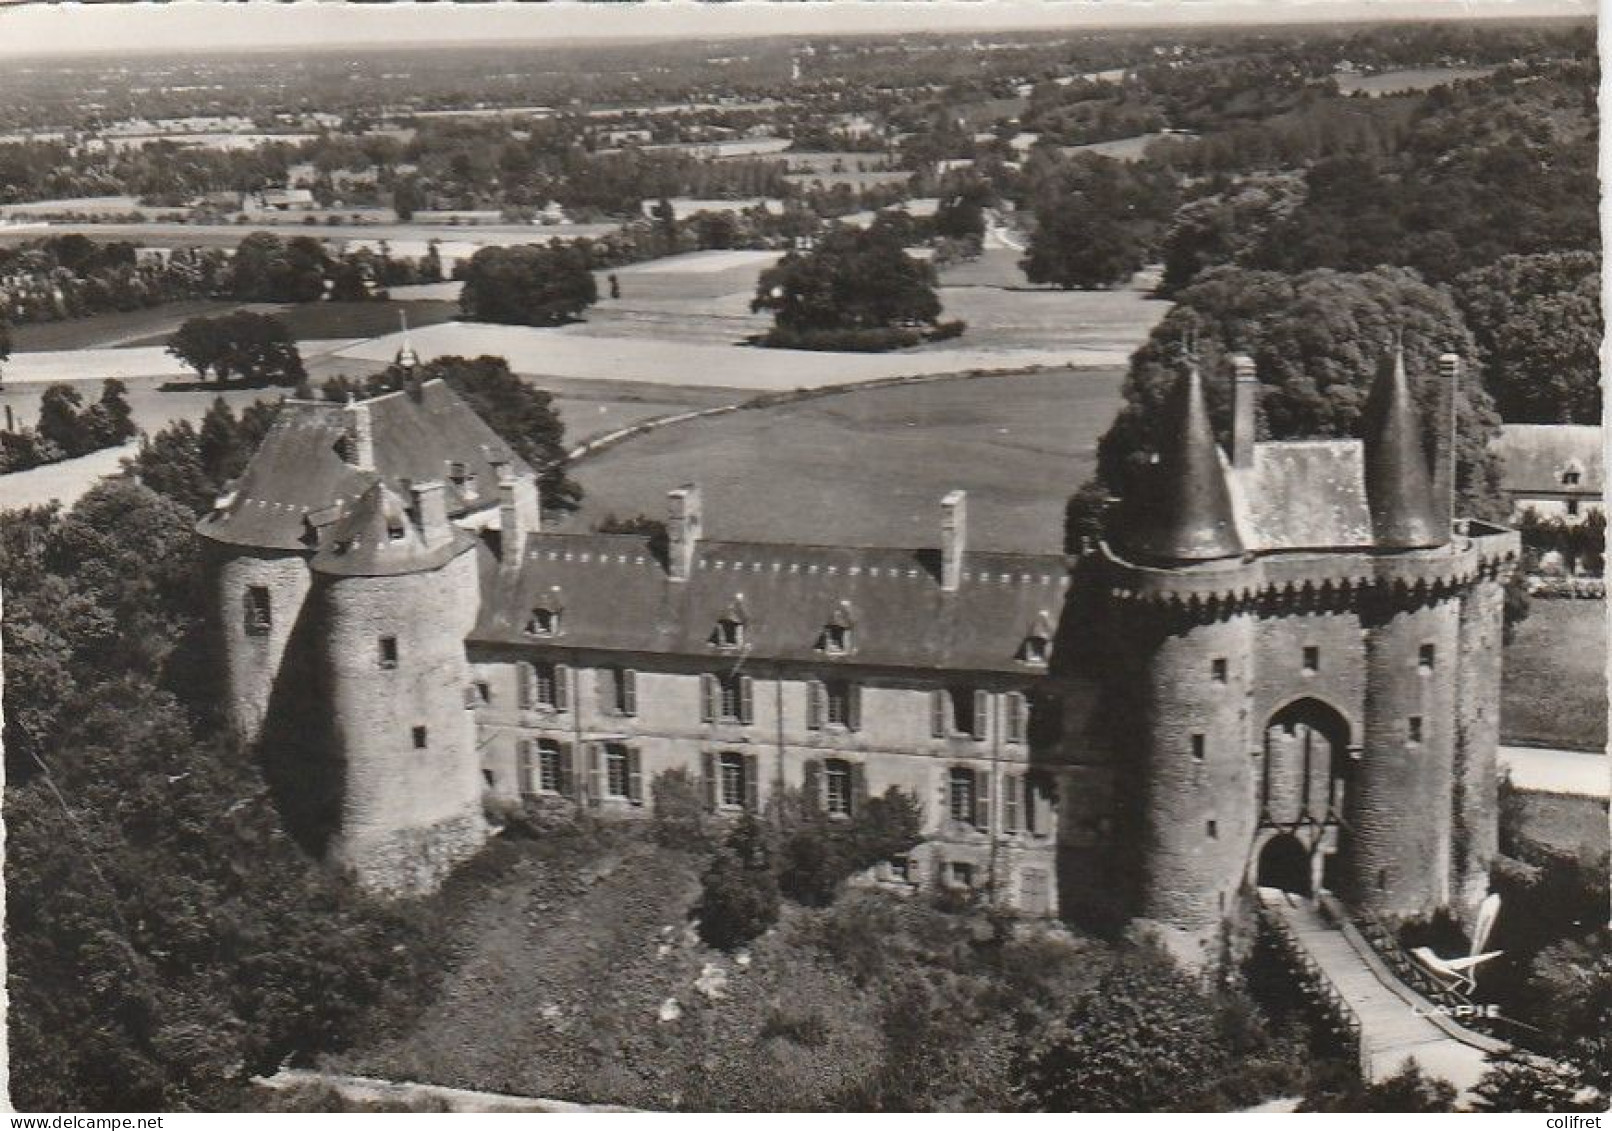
[
  {"x": 1310, "y": 659},
  {"x": 732, "y": 779},
  {"x": 730, "y": 698}
]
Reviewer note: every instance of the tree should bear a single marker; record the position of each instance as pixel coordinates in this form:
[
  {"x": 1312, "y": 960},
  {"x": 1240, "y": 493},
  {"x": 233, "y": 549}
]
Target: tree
[
  {"x": 267, "y": 269},
  {"x": 1536, "y": 320},
  {"x": 61, "y": 421},
  {"x": 1225, "y": 228},
  {"x": 1409, "y": 1090},
  {"x": 738, "y": 894},
  {"x": 528, "y": 285},
  {"x": 1143, "y": 1038},
  {"x": 257, "y": 347},
  {"x": 960, "y": 215},
  {"x": 198, "y": 343},
  {"x": 854, "y": 279},
  {"x": 1096, "y": 221},
  {"x": 1317, "y": 340}
]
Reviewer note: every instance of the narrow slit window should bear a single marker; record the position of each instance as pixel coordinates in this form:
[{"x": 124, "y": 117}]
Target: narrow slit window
[
  {"x": 388, "y": 652},
  {"x": 1428, "y": 656},
  {"x": 1414, "y": 730},
  {"x": 1197, "y": 747},
  {"x": 419, "y": 738},
  {"x": 1312, "y": 658},
  {"x": 1218, "y": 669}
]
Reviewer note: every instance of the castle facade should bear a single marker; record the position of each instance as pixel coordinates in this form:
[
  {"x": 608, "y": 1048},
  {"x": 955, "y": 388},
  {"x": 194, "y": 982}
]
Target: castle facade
[{"x": 1281, "y": 667}]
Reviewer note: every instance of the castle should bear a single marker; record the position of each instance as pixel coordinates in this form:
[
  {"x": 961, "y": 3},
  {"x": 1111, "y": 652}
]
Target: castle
[{"x": 1280, "y": 667}]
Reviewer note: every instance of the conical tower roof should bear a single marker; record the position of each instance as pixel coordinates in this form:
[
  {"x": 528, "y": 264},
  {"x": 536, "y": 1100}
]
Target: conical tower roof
[
  {"x": 1399, "y": 481},
  {"x": 1184, "y": 513}
]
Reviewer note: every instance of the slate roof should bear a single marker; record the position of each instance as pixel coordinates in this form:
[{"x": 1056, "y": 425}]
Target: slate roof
[
  {"x": 298, "y": 470},
  {"x": 1303, "y": 495},
  {"x": 374, "y": 537},
  {"x": 614, "y": 594},
  {"x": 1535, "y": 456}
]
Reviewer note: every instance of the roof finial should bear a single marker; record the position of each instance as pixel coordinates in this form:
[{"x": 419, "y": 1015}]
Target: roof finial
[{"x": 406, "y": 359}]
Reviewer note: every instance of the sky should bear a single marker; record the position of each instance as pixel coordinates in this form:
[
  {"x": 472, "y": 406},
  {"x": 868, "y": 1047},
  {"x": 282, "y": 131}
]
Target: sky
[{"x": 43, "y": 29}]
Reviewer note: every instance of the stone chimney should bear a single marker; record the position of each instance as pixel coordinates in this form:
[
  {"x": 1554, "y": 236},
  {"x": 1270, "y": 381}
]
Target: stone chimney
[
  {"x": 953, "y": 539},
  {"x": 520, "y": 515},
  {"x": 683, "y": 530},
  {"x": 1449, "y": 382},
  {"x": 431, "y": 512},
  {"x": 359, "y": 449},
  {"x": 1245, "y": 397}
]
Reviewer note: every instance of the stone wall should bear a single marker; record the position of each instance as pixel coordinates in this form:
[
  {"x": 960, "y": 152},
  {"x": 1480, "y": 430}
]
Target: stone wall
[
  {"x": 893, "y": 746},
  {"x": 411, "y": 802},
  {"x": 1397, "y": 853},
  {"x": 254, "y": 660},
  {"x": 1475, "y": 817}
]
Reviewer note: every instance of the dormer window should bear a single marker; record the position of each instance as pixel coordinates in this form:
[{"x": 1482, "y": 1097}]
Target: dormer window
[
  {"x": 1035, "y": 650},
  {"x": 1037, "y": 646},
  {"x": 835, "y": 639},
  {"x": 729, "y": 632},
  {"x": 396, "y": 528},
  {"x": 543, "y": 622},
  {"x": 456, "y": 472},
  {"x": 1572, "y": 475}
]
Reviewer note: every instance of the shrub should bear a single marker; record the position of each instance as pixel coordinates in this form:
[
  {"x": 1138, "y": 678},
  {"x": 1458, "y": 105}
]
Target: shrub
[
  {"x": 680, "y": 817},
  {"x": 737, "y": 902}
]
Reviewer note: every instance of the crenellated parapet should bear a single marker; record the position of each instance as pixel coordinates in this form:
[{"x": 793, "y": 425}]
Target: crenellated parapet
[{"x": 1312, "y": 581}]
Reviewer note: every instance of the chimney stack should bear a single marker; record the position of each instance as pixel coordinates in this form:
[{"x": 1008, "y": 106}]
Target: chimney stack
[
  {"x": 360, "y": 448},
  {"x": 1449, "y": 381},
  {"x": 1245, "y": 397},
  {"x": 431, "y": 511},
  {"x": 683, "y": 523},
  {"x": 953, "y": 539},
  {"x": 520, "y": 514}
]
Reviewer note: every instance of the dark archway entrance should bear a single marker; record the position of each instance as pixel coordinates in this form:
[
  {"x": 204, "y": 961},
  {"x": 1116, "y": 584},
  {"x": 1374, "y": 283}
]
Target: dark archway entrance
[
  {"x": 1284, "y": 864},
  {"x": 1306, "y": 765}
]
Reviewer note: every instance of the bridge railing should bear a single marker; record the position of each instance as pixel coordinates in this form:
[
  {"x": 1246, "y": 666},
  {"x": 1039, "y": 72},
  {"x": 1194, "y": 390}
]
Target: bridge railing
[
  {"x": 1329, "y": 1007},
  {"x": 1385, "y": 944}
]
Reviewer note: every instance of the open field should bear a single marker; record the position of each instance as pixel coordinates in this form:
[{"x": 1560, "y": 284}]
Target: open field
[
  {"x": 1400, "y": 82},
  {"x": 229, "y": 235},
  {"x": 868, "y": 467},
  {"x": 1555, "y": 677},
  {"x": 114, "y": 328},
  {"x": 60, "y": 482},
  {"x": 1120, "y": 149}
]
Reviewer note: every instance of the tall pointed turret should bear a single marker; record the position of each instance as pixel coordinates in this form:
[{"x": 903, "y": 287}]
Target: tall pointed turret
[
  {"x": 1184, "y": 514},
  {"x": 1399, "y": 484}
]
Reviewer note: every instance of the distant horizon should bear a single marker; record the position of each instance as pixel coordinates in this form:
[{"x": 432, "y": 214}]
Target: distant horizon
[{"x": 39, "y": 31}]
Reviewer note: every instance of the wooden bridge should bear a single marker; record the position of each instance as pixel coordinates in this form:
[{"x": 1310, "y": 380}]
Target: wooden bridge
[{"x": 1390, "y": 1022}]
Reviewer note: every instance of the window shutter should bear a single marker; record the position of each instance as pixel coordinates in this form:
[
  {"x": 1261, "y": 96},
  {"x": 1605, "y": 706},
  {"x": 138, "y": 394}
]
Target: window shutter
[
  {"x": 1010, "y": 803},
  {"x": 708, "y": 769},
  {"x": 747, "y": 700},
  {"x": 525, "y": 772},
  {"x": 567, "y": 776},
  {"x": 526, "y": 679},
  {"x": 470, "y": 697},
  {"x": 595, "y": 771},
  {"x": 853, "y": 706},
  {"x": 752, "y": 782},
  {"x": 635, "y": 775},
  {"x": 562, "y": 684},
  {"x": 629, "y": 691},
  {"x": 814, "y": 705},
  {"x": 605, "y": 683},
  {"x": 708, "y": 698},
  {"x": 812, "y": 786},
  {"x": 1013, "y": 720},
  {"x": 982, "y": 713},
  {"x": 940, "y": 714},
  {"x": 982, "y": 800},
  {"x": 859, "y": 787}
]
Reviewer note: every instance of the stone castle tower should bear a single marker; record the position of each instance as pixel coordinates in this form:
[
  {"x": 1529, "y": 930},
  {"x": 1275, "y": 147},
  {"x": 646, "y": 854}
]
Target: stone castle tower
[
  {"x": 346, "y": 583},
  {"x": 1305, "y": 647}
]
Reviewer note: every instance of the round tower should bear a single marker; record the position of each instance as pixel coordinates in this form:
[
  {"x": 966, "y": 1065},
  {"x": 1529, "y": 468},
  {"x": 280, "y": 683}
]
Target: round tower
[
  {"x": 260, "y": 595},
  {"x": 397, "y": 588},
  {"x": 1397, "y": 844},
  {"x": 1192, "y": 663}
]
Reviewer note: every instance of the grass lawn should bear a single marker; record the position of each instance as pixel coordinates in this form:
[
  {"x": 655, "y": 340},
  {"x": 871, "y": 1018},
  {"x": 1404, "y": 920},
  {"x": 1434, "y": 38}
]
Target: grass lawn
[
  {"x": 1554, "y": 691},
  {"x": 868, "y": 467},
  {"x": 115, "y": 328}
]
